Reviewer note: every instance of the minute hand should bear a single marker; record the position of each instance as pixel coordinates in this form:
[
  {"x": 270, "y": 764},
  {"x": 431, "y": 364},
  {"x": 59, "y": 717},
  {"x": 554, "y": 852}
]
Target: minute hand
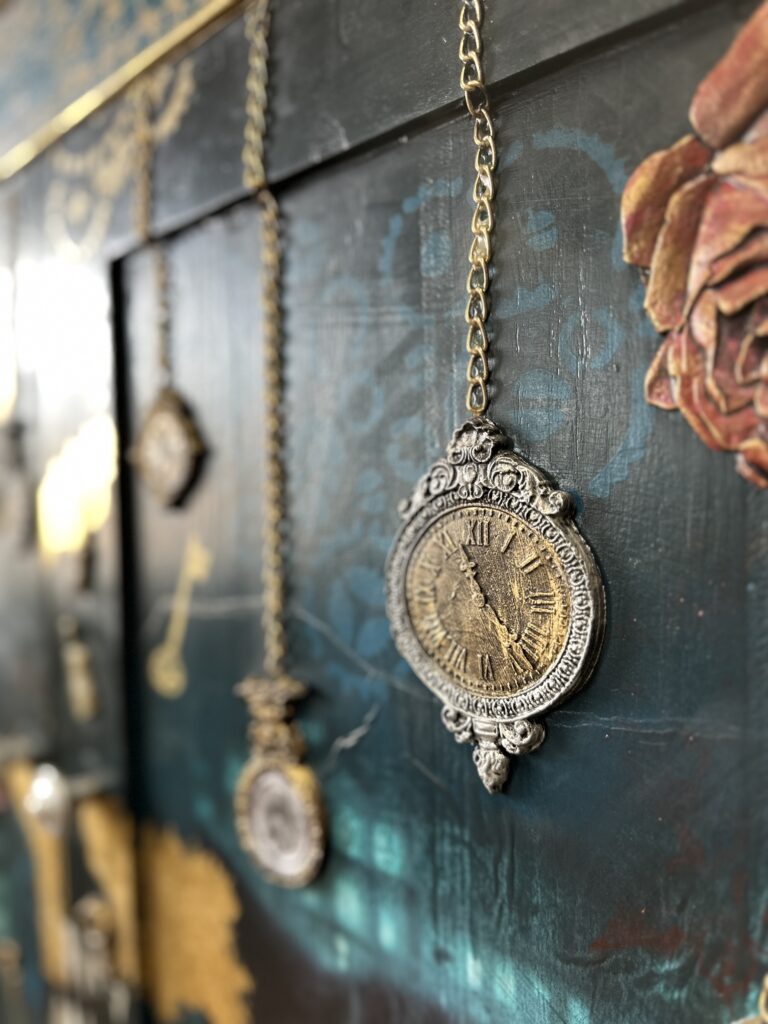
[{"x": 508, "y": 640}]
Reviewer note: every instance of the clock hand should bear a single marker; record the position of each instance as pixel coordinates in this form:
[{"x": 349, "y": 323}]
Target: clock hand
[{"x": 508, "y": 639}]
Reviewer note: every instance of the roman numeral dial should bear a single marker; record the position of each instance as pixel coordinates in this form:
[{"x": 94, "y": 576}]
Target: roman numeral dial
[{"x": 488, "y": 600}]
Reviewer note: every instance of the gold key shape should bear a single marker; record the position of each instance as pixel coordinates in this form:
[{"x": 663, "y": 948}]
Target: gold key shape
[{"x": 165, "y": 665}]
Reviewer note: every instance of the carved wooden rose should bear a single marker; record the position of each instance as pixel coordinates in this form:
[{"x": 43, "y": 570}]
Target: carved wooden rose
[{"x": 696, "y": 217}]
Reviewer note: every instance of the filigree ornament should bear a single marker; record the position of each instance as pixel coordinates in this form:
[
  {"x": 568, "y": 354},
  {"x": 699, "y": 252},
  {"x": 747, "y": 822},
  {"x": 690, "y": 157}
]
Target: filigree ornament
[
  {"x": 695, "y": 218},
  {"x": 494, "y": 597}
]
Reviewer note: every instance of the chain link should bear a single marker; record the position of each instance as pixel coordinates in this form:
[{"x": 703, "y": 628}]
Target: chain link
[
  {"x": 763, "y": 1003},
  {"x": 472, "y": 81}
]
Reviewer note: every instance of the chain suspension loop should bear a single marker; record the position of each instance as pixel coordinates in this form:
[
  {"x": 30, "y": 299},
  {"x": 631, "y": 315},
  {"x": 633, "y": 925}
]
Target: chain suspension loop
[
  {"x": 763, "y": 1003},
  {"x": 257, "y": 20},
  {"x": 472, "y": 81}
]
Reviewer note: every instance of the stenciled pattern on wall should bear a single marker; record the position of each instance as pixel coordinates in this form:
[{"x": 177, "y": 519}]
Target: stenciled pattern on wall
[
  {"x": 695, "y": 218},
  {"x": 54, "y": 53}
]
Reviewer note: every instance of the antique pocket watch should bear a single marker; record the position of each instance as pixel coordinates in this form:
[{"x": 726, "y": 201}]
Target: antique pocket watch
[{"x": 493, "y": 596}]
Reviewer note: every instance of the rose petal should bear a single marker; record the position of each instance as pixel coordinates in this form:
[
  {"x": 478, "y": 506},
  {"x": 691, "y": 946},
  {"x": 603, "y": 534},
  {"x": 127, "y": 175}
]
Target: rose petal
[
  {"x": 752, "y": 360},
  {"x": 758, "y": 129},
  {"x": 732, "y": 212},
  {"x": 752, "y": 464},
  {"x": 665, "y": 297},
  {"x": 736, "y": 90},
  {"x": 659, "y": 386},
  {"x": 761, "y": 399},
  {"x": 720, "y": 431},
  {"x": 753, "y": 250},
  {"x": 747, "y": 158},
  {"x": 703, "y": 320},
  {"x": 648, "y": 191},
  {"x": 739, "y": 292},
  {"x": 723, "y": 385}
]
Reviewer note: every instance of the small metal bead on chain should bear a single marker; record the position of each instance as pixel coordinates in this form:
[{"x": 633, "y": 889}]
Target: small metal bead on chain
[{"x": 472, "y": 81}]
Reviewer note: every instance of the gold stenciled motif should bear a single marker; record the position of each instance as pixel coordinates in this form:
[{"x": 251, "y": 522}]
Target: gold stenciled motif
[
  {"x": 50, "y": 871},
  {"x": 190, "y": 909},
  {"x": 107, "y": 834},
  {"x": 86, "y": 183},
  {"x": 190, "y": 31},
  {"x": 488, "y": 600},
  {"x": 166, "y": 670}
]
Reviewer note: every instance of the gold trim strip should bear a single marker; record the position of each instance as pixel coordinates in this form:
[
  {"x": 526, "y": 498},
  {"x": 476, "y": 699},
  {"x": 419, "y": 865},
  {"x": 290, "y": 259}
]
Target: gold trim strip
[{"x": 207, "y": 18}]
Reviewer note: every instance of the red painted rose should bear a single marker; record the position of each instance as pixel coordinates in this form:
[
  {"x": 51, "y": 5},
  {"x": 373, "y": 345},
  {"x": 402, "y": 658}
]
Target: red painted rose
[{"x": 696, "y": 216}]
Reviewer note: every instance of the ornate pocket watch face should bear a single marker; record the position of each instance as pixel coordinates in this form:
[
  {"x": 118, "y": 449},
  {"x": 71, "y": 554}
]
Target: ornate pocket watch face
[
  {"x": 493, "y": 596},
  {"x": 280, "y": 820},
  {"x": 170, "y": 449}
]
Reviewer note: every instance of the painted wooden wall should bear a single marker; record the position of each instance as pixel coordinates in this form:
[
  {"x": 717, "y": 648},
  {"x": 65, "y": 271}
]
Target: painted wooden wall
[{"x": 623, "y": 876}]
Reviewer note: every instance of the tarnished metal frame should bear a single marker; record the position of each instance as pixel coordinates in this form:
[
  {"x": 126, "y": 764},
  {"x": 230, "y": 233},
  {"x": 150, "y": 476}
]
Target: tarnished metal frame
[
  {"x": 482, "y": 468},
  {"x": 170, "y": 402},
  {"x": 306, "y": 786}
]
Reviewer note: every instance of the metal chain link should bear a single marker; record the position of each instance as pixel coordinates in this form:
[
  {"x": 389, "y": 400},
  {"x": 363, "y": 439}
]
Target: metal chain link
[
  {"x": 257, "y": 19},
  {"x": 472, "y": 81},
  {"x": 763, "y": 1003}
]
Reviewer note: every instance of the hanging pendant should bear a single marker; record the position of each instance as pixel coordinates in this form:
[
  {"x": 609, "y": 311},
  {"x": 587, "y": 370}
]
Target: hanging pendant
[
  {"x": 170, "y": 449},
  {"x": 493, "y": 596},
  {"x": 279, "y": 810}
]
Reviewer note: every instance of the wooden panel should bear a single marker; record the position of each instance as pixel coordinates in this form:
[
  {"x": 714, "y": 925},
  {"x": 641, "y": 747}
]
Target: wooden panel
[
  {"x": 624, "y": 868},
  {"x": 337, "y": 83}
]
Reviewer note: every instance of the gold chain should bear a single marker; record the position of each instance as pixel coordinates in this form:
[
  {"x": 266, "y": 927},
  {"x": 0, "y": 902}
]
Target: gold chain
[
  {"x": 144, "y": 131},
  {"x": 257, "y": 18},
  {"x": 143, "y": 109},
  {"x": 762, "y": 1005},
  {"x": 273, "y": 571},
  {"x": 163, "y": 288},
  {"x": 472, "y": 81}
]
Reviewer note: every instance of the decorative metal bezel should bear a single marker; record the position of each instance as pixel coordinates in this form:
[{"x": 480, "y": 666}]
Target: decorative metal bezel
[
  {"x": 305, "y": 786},
  {"x": 170, "y": 491},
  {"x": 480, "y": 468}
]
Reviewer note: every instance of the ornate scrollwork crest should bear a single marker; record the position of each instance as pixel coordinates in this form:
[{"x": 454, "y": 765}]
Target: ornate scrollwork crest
[{"x": 479, "y": 459}]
